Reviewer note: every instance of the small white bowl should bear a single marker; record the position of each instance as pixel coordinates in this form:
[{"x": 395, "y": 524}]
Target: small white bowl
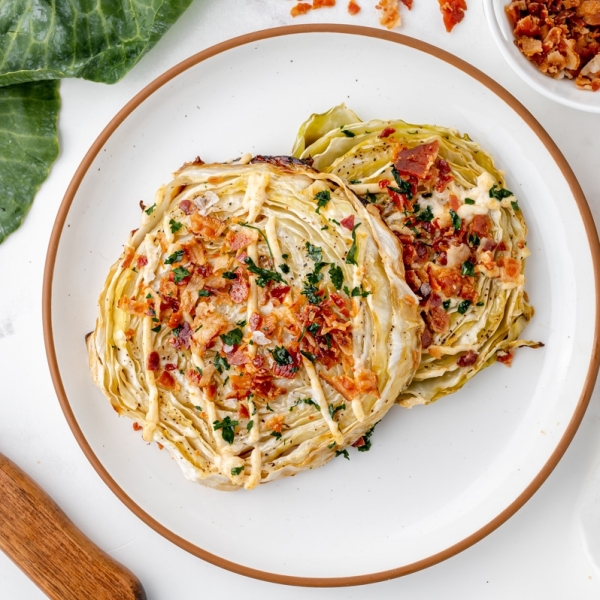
[{"x": 560, "y": 90}]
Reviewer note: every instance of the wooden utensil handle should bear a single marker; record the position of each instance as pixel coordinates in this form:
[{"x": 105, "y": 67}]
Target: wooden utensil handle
[{"x": 37, "y": 535}]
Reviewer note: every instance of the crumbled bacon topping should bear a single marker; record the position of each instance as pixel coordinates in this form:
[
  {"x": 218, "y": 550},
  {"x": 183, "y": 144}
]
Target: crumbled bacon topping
[
  {"x": 453, "y": 12},
  {"x": 417, "y": 161},
  {"x": 561, "y": 37}
]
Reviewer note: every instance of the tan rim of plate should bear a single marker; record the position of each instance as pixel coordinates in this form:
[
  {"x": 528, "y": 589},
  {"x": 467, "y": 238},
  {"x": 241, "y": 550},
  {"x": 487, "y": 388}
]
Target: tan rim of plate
[{"x": 80, "y": 174}]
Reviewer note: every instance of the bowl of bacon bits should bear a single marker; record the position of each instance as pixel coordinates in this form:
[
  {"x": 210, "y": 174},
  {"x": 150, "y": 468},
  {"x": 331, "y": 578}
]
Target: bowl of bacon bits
[{"x": 553, "y": 45}]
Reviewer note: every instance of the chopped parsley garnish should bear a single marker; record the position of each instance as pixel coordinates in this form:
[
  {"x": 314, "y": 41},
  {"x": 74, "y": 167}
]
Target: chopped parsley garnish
[
  {"x": 250, "y": 425},
  {"x": 469, "y": 201},
  {"x": 427, "y": 195},
  {"x": 268, "y": 408},
  {"x": 324, "y": 227},
  {"x": 276, "y": 434},
  {"x": 264, "y": 275},
  {"x": 281, "y": 356},
  {"x": 328, "y": 339},
  {"x": 227, "y": 428},
  {"x": 156, "y": 329},
  {"x": 515, "y": 205},
  {"x": 221, "y": 363},
  {"x": 314, "y": 252},
  {"x": 285, "y": 256},
  {"x": 473, "y": 239},
  {"x": 233, "y": 337},
  {"x": 404, "y": 186},
  {"x": 148, "y": 296},
  {"x": 330, "y": 446},
  {"x": 416, "y": 207},
  {"x": 175, "y": 225},
  {"x": 237, "y": 470},
  {"x": 456, "y": 220},
  {"x": 344, "y": 453},
  {"x": 354, "y": 181},
  {"x": 229, "y": 275},
  {"x": 177, "y": 330},
  {"x": 351, "y": 256},
  {"x": 468, "y": 268},
  {"x": 313, "y": 328},
  {"x": 322, "y": 198},
  {"x": 499, "y": 193},
  {"x": 310, "y": 402},
  {"x": 479, "y": 304},
  {"x": 284, "y": 268},
  {"x": 200, "y": 371},
  {"x": 180, "y": 274},
  {"x": 347, "y": 133},
  {"x": 464, "y": 306},
  {"x": 426, "y": 215},
  {"x": 316, "y": 276},
  {"x": 150, "y": 209},
  {"x": 241, "y": 323},
  {"x": 333, "y": 410},
  {"x": 199, "y": 408},
  {"x": 446, "y": 304},
  {"x": 312, "y": 293},
  {"x": 308, "y": 355},
  {"x": 337, "y": 276},
  {"x": 370, "y": 198},
  {"x": 203, "y": 293},
  {"x": 367, "y": 438},
  {"x": 356, "y": 291},
  {"x": 264, "y": 237},
  {"x": 175, "y": 257}
]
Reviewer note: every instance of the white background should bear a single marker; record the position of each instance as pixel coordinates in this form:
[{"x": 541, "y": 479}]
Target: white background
[{"x": 538, "y": 553}]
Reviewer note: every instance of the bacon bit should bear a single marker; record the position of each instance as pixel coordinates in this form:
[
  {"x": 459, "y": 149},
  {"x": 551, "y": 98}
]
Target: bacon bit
[
  {"x": 258, "y": 361},
  {"x": 240, "y": 239},
  {"x": 407, "y": 3},
  {"x": 137, "y": 426},
  {"x": 195, "y": 251},
  {"x": 216, "y": 282},
  {"x": 168, "y": 288},
  {"x": 243, "y": 412},
  {"x": 481, "y": 225},
  {"x": 511, "y": 267},
  {"x": 213, "y": 324},
  {"x": 300, "y": 9},
  {"x": 238, "y": 358},
  {"x": 444, "y": 175},
  {"x": 439, "y": 320},
  {"x": 129, "y": 254},
  {"x": 390, "y": 13},
  {"x": 426, "y": 338},
  {"x": 255, "y": 321},
  {"x": 269, "y": 324},
  {"x": 468, "y": 359},
  {"x": 501, "y": 247},
  {"x": 323, "y": 4},
  {"x": 183, "y": 337},
  {"x": 418, "y": 160},
  {"x": 383, "y": 183},
  {"x": 195, "y": 162},
  {"x": 279, "y": 293},
  {"x": 359, "y": 443},
  {"x": 211, "y": 391},
  {"x": 341, "y": 303},
  {"x": 170, "y": 367},
  {"x": 413, "y": 280},
  {"x": 187, "y": 206},
  {"x": 208, "y": 227},
  {"x": 129, "y": 334},
  {"x": 454, "y": 203},
  {"x": 194, "y": 377},
  {"x": 166, "y": 381},
  {"x": 275, "y": 423},
  {"x": 348, "y": 222},
  {"x": 160, "y": 446},
  {"x": 175, "y": 320},
  {"x": 386, "y": 132},
  {"x": 285, "y": 371},
  {"x": 353, "y": 8},
  {"x": 453, "y": 12},
  {"x": 468, "y": 292},
  {"x": 140, "y": 261},
  {"x": 132, "y": 306},
  {"x": 448, "y": 281},
  {"x": 240, "y": 289},
  {"x": 505, "y": 358},
  {"x": 365, "y": 382}
]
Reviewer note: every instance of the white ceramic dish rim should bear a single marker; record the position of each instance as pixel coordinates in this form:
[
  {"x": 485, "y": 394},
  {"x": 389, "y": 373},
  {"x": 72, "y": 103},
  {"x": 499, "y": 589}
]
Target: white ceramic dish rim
[
  {"x": 48, "y": 332},
  {"x": 562, "y": 91}
]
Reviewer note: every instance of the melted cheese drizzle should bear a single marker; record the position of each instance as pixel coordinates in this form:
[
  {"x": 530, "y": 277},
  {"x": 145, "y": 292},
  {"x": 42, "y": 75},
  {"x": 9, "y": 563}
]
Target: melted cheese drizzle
[
  {"x": 320, "y": 399},
  {"x": 254, "y": 198}
]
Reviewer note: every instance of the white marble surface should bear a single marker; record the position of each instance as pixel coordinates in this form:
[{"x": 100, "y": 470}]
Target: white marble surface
[{"x": 541, "y": 552}]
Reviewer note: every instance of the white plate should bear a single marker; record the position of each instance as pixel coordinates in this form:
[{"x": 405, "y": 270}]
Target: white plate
[
  {"x": 438, "y": 478},
  {"x": 560, "y": 90}
]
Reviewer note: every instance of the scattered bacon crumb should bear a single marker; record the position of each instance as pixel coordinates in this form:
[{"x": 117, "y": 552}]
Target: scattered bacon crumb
[
  {"x": 243, "y": 412},
  {"x": 166, "y": 381},
  {"x": 387, "y": 132},
  {"x": 453, "y": 12},
  {"x": 323, "y": 4},
  {"x": 505, "y": 358},
  {"x": 153, "y": 361},
  {"x": 137, "y": 427},
  {"x": 129, "y": 254},
  {"x": 300, "y": 9},
  {"x": 359, "y": 443},
  {"x": 468, "y": 359},
  {"x": 390, "y": 13},
  {"x": 348, "y": 222},
  {"x": 353, "y": 8}
]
